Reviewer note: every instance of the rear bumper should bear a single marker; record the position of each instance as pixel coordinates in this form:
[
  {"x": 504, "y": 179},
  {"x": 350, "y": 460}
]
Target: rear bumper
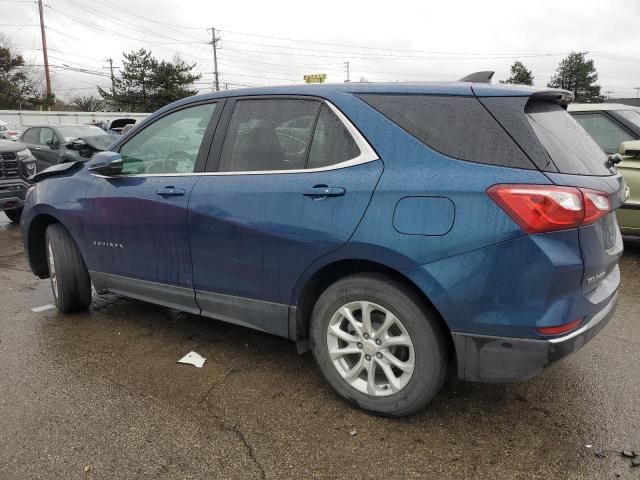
[{"x": 483, "y": 358}]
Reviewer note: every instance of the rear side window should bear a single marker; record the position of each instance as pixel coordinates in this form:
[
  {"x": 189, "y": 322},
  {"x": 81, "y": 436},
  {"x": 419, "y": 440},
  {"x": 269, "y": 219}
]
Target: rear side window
[
  {"x": 606, "y": 133},
  {"x": 459, "y": 127},
  {"x": 331, "y": 142},
  {"x": 268, "y": 134},
  {"x": 571, "y": 149}
]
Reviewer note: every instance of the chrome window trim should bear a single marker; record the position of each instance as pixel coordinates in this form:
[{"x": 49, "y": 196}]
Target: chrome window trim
[{"x": 367, "y": 154}]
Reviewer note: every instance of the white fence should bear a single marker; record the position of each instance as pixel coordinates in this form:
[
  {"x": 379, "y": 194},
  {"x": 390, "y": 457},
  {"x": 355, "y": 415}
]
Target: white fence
[{"x": 27, "y": 118}]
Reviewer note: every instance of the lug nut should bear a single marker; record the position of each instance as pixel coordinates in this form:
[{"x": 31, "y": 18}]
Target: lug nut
[
  {"x": 379, "y": 355},
  {"x": 366, "y": 336},
  {"x": 378, "y": 341},
  {"x": 359, "y": 345},
  {"x": 367, "y": 357}
]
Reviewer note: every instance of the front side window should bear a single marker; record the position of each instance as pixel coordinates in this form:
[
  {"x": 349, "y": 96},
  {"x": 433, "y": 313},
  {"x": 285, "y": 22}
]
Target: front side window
[
  {"x": 170, "y": 144},
  {"x": 607, "y": 134},
  {"x": 46, "y": 136},
  {"x": 332, "y": 143},
  {"x": 268, "y": 134}
]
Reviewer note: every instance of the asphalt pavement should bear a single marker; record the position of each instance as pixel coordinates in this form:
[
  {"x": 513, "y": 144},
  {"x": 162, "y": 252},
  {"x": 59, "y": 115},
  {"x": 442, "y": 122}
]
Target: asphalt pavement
[{"x": 100, "y": 395}]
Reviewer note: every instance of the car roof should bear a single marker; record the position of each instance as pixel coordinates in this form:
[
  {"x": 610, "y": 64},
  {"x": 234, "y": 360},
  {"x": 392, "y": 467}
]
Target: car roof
[
  {"x": 442, "y": 88},
  {"x": 327, "y": 90},
  {"x": 596, "y": 107},
  {"x": 56, "y": 125}
]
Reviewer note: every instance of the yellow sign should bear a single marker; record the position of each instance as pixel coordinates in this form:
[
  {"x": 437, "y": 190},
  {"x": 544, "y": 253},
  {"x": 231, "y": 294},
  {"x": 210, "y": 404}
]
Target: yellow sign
[{"x": 315, "y": 78}]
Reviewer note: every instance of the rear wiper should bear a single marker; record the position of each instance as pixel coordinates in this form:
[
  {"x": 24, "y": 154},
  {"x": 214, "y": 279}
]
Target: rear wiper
[{"x": 612, "y": 160}]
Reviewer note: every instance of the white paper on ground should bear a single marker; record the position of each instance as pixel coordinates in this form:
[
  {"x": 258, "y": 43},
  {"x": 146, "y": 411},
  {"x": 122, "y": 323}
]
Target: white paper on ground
[
  {"x": 43, "y": 308},
  {"x": 193, "y": 358}
]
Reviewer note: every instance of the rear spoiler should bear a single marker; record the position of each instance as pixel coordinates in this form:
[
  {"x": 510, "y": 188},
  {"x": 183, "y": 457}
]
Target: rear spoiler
[
  {"x": 478, "y": 77},
  {"x": 561, "y": 97}
]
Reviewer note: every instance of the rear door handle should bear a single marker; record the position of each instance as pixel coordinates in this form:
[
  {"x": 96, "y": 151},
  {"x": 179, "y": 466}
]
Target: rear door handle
[
  {"x": 171, "y": 191},
  {"x": 321, "y": 191}
]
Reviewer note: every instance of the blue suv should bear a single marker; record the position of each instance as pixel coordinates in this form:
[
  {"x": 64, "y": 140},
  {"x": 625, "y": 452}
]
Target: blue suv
[{"x": 395, "y": 230}]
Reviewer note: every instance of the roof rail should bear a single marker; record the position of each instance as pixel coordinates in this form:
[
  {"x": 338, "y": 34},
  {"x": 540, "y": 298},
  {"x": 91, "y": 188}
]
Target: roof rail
[{"x": 478, "y": 77}]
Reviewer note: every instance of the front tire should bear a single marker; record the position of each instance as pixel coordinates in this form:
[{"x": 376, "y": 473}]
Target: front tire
[
  {"x": 14, "y": 214},
  {"x": 378, "y": 345},
  {"x": 70, "y": 281}
]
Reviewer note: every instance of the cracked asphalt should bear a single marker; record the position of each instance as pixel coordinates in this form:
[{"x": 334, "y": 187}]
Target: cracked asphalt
[{"x": 99, "y": 395}]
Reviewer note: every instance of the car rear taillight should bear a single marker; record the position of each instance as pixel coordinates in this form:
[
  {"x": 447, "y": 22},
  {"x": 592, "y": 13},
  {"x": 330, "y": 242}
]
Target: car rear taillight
[
  {"x": 559, "y": 329},
  {"x": 546, "y": 208},
  {"x": 596, "y": 205}
]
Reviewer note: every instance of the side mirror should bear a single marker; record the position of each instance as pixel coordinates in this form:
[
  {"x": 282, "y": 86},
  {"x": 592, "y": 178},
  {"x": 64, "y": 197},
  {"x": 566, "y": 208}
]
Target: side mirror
[
  {"x": 106, "y": 163},
  {"x": 630, "y": 148},
  {"x": 77, "y": 144}
]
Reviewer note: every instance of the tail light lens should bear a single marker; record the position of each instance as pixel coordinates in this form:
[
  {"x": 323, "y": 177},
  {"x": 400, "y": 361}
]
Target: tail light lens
[
  {"x": 559, "y": 329},
  {"x": 547, "y": 208},
  {"x": 596, "y": 205}
]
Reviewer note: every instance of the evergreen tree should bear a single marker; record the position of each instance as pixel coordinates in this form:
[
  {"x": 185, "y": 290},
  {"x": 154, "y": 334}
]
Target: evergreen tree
[
  {"x": 16, "y": 85},
  {"x": 520, "y": 74},
  {"x": 147, "y": 84},
  {"x": 578, "y": 75}
]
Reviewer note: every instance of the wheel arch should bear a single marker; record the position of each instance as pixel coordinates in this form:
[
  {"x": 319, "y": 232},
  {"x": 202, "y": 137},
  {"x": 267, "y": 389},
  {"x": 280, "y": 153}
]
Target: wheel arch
[
  {"x": 35, "y": 243},
  {"x": 329, "y": 273}
]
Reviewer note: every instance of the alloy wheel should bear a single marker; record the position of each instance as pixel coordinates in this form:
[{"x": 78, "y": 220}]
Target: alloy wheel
[{"x": 370, "y": 348}]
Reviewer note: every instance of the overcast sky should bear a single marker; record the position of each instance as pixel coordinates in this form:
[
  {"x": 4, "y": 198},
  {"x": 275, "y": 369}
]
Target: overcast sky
[{"x": 277, "y": 42}]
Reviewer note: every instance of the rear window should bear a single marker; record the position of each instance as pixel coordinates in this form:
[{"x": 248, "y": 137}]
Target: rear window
[
  {"x": 459, "y": 127},
  {"x": 568, "y": 145}
]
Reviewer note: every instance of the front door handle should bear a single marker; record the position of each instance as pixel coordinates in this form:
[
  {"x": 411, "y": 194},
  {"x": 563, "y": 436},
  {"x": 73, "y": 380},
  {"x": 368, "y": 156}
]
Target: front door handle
[
  {"x": 170, "y": 191},
  {"x": 321, "y": 191}
]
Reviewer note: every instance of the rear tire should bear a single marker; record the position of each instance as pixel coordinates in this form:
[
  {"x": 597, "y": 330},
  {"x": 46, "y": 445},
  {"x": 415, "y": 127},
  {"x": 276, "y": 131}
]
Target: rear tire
[
  {"x": 387, "y": 329},
  {"x": 70, "y": 281},
  {"x": 14, "y": 214}
]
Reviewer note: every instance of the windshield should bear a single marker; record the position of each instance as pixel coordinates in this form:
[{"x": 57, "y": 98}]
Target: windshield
[
  {"x": 570, "y": 147},
  {"x": 71, "y": 132},
  {"x": 632, "y": 116}
]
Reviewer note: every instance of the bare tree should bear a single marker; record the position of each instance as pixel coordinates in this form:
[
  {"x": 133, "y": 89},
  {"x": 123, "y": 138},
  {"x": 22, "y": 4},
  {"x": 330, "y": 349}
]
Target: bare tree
[{"x": 88, "y": 103}]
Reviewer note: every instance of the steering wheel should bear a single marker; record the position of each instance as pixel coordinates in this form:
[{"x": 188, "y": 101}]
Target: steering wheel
[
  {"x": 171, "y": 163},
  {"x": 301, "y": 142}
]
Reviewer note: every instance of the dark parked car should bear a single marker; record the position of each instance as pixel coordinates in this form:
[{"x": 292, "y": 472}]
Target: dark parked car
[
  {"x": 16, "y": 166},
  {"x": 118, "y": 125},
  {"x": 53, "y": 144},
  {"x": 393, "y": 229}
]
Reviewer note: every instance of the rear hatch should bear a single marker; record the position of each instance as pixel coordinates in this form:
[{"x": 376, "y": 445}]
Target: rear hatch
[{"x": 563, "y": 150}]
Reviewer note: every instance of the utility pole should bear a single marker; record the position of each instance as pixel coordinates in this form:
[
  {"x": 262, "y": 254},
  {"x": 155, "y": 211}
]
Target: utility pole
[
  {"x": 214, "y": 44},
  {"x": 608, "y": 94},
  {"x": 110, "y": 60},
  {"x": 46, "y": 56},
  {"x": 637, "y": 89},
  {"x": 348, "y": 77}
]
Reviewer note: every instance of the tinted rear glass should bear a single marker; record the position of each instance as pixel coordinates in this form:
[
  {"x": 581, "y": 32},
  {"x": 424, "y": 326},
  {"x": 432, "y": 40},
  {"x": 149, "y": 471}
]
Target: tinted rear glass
[
  {"x": 570, "y": 147},
  {"x": 331, "y": 143},
  {"x": 459, "y": 127}
]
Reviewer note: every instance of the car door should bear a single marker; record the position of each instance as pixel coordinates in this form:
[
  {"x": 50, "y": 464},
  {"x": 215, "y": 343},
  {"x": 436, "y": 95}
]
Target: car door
[
  {"x": 288, "y": 183},
  {"x": 135, "y": 223},
  {"x": 31, "y": 139},
  {"x": 48, "y": 148}
]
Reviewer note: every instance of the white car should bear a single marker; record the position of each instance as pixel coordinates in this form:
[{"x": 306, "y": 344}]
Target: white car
[{"x": 7, "y": 133}]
